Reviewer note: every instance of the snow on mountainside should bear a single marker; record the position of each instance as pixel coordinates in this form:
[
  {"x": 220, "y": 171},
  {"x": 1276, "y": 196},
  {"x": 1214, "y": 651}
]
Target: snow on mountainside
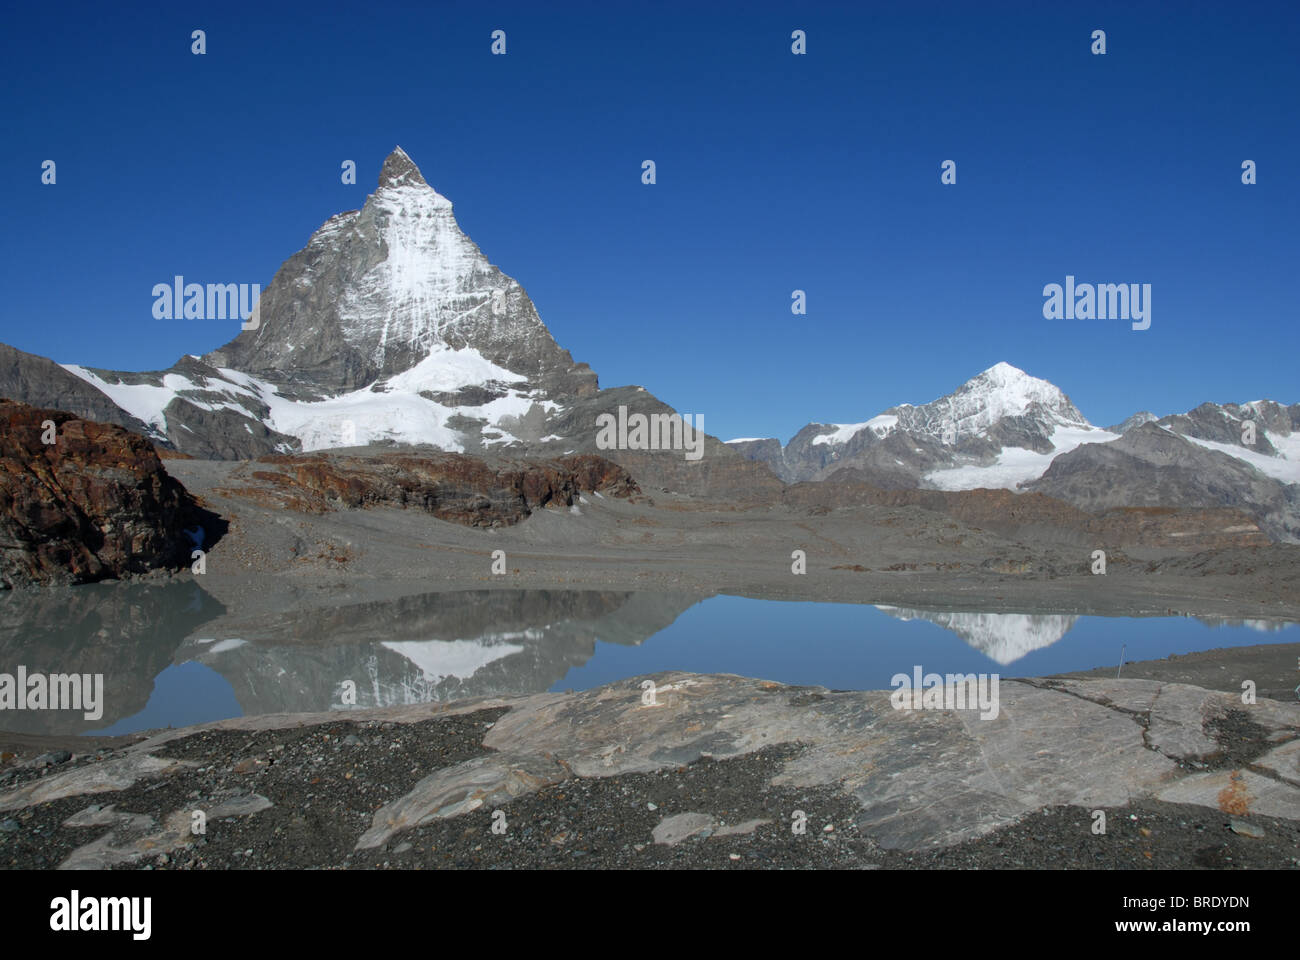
[
  {"x": 997, "y": 429},
  {"x": 1285, "y": 466},
  {"x": 999, "y": 393},
  {"x": 433, "y": 275},
  {"x": 1004, "y": 429},
  {"x": 974, "y": 409},
  {"x": 1015, "y": 465},
  {"x": 391, "y": 410},
  {"x": 1262, "y": 433},
  {"x": 389, "y": 326},
  {"x": 377, "y": 289}
]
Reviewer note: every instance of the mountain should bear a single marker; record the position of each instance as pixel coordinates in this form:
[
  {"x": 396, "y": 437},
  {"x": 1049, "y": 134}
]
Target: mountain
[
  {"x": 1263, "y": 433},
  {"x": 1000, "y": 427},
  {"x": 1139, "y": 418},
  {"x": 34, "y": 380},
  {"x": 1003, "y": 429},
  {"x": 389, "y": 327},
  {"x": 1154, "y": 466},
  {"x": 396, "y": 288},
  {"x": 1006, "y": 429}
]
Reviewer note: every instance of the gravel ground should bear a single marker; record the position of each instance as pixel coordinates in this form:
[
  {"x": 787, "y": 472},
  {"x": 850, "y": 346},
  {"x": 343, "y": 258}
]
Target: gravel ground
[
  {"x": 326, "y": 781},
  {"x": 1274, "y": 668},
  {"x": 905, "y": 556}
]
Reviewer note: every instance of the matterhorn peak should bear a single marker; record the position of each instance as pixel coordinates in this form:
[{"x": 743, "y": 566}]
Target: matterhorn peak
[{"x": 400, "y": 170}]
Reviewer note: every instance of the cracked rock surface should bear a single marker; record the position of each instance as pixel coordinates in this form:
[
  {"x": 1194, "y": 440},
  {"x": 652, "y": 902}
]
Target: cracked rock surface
[{"x": 713, "y": 769}]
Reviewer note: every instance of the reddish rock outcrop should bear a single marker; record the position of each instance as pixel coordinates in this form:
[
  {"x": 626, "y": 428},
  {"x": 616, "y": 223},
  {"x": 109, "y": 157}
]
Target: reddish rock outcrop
[
  {"x": 94, "y": 504},
  {"x": 451, "y": 486}
]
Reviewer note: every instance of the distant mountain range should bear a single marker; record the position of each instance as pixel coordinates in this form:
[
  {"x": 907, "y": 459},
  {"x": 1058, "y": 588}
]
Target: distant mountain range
[
  {"x": 1006, "y": 429},
  {"x": 391, "y": 327}
]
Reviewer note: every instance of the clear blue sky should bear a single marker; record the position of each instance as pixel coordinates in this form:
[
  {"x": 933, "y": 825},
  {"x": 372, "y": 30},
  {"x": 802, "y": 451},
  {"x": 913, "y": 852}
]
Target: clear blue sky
[{"x": 775, "y": 172}]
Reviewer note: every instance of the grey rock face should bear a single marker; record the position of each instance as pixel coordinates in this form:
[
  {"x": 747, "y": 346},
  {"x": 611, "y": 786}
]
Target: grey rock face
[
  {"x": 767, "y": 450},
  {"x": 1144, "y": 416},
  {"x": 1223, "y": 423},
  {"x": 921, "y": 779},
  {"x": 35, "y": 380},
  {"x": 1153, "y": 467}
]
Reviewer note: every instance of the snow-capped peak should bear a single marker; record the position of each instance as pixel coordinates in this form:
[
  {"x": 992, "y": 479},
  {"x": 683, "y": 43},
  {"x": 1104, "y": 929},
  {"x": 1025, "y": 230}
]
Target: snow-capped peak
[
  {"x": 972, "y": 409},
  {"x": 1006, "y": 391}
]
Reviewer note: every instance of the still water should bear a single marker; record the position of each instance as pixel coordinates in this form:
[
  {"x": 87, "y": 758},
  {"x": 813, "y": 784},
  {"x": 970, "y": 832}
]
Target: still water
[{"x": 170, "y": 654}]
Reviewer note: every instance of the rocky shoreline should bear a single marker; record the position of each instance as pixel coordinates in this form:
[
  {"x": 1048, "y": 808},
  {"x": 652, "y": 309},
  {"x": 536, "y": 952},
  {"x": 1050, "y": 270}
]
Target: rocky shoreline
[
  {"x": 713, "y": 776},
  {"x": 894, "y": 551}
]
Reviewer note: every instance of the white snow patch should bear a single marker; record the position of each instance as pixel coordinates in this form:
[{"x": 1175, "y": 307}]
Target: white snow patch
[
  {"x": 144, "y": 401},
  {"x": 881, "y": 426},
  {"x": 1016, "y": 465},
  {"x": 446, "y": 370},
  {"x": 393, "y": 409},
  {"x": 1285, "y": 468}
]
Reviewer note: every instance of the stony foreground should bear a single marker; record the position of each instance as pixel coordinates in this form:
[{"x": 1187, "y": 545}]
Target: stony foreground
[{"x": 719, "y": 773}]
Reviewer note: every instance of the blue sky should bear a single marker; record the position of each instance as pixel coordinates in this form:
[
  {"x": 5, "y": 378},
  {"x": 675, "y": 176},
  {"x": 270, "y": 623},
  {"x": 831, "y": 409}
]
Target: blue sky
[{"x": 775, "y": 172}]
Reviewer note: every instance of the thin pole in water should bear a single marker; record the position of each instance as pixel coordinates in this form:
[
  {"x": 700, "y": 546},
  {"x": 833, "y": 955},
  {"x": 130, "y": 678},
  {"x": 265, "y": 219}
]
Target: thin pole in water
[{"x": 1121, "y": 660}]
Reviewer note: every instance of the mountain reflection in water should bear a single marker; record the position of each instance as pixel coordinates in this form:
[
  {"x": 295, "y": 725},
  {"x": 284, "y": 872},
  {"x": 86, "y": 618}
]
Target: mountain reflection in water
[{"x": 171, "y": 654}]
